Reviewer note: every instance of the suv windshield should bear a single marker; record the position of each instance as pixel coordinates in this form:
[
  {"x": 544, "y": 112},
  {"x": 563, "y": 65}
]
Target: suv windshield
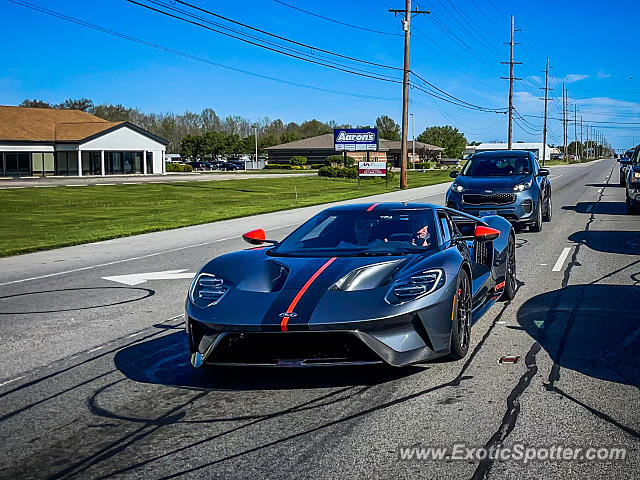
[
  {"x": 353, "y": 233},
  {"x": 497, "y": 166}
]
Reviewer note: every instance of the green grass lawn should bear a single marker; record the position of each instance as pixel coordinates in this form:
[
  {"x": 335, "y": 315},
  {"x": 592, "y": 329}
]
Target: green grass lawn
[{"x": 44, "y": 218}]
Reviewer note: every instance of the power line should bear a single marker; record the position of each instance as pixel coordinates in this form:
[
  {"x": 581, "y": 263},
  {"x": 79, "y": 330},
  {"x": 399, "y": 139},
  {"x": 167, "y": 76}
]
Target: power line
[
  {"x": 477, "y": 107},
  {"x": 123, "y": 36},
  {"x": 299, "y": 57},
  {"x": 337, "y": 21},
  {"x": 285, "y": 38}
]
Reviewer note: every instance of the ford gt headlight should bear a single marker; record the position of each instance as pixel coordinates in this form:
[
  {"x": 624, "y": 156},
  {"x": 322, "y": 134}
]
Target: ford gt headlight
[
  {"x": 417, "y": 286},
  {"x": 521, "y": 187},
  {"x": 207, "y": 290},
  {"x": 456, "y": 187}
]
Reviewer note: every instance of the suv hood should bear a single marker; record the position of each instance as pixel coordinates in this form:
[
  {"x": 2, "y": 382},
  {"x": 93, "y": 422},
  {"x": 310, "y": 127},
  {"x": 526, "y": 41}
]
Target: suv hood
[{"x": 491, "y": 183}]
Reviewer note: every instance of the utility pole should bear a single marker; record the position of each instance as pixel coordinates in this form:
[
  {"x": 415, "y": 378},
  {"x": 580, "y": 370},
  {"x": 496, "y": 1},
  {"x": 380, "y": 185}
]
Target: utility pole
[
  {"x": 575, "y": 130},
  {"x": 546, "y": 99},
  {"x": 255, "y": 129},
  {"x": 564, "y": 123},
  {"x": 581, "y": 143},
  {"x": 511, "y": 78},
  {"x": 413, "y": 139},
  {"x": 406, "y": 26}
]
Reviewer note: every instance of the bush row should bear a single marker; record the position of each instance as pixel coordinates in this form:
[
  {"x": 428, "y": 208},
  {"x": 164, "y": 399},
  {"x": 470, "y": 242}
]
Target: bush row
[
  {"x": 176, "y": 167},
  {"x": 422, "y": 165},
  {"x": 352, "y": 173}
]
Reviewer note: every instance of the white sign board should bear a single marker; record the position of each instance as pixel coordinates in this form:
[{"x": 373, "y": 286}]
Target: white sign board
[{"x": 372, "y": 169}]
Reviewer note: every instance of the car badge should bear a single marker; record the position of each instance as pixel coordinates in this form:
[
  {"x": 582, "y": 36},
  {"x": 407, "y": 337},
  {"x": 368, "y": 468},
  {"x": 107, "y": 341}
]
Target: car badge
[
  {"x": 288, "y": 314},
  {"x": 488, "y": 191}
]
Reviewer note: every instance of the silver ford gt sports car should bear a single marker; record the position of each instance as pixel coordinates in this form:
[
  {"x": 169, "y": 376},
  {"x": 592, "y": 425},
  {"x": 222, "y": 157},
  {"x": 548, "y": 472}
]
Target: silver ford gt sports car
[{"x": 358, "y": 284}]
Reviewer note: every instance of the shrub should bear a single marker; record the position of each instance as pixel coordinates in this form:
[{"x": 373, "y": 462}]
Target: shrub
[
  {"x": 296, "y": 167},
  {"x": 336, "y": 172},
  {"x": 271, "y": 166},
  {"x": 339, "y": 160},
  {"x": 422, "y": 165},
  {"x": 176, "y": 167},
  {"x": 298, "y": 160}
]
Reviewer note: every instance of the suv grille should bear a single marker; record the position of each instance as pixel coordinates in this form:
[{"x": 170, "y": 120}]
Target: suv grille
[{"x": 493, "y": 198}]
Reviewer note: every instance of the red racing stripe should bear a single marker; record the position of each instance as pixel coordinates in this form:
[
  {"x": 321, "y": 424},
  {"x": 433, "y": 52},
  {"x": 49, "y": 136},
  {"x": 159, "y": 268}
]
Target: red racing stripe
[
  {"x": 373, "y": 206},
  {"x": 305, "y": 287}
]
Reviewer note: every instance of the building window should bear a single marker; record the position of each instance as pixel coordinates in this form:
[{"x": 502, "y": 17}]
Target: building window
[{"x": 149, "y": 161}]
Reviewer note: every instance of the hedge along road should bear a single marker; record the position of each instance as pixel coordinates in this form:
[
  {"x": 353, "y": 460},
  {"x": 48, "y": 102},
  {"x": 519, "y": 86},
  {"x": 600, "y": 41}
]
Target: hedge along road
[{"x": 45, "y": 218}]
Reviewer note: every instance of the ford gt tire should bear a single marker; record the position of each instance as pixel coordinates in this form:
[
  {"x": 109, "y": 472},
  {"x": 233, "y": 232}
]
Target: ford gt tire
[
  {"x": 461, "y": 329},
  {"x": 510, "y": 277}
]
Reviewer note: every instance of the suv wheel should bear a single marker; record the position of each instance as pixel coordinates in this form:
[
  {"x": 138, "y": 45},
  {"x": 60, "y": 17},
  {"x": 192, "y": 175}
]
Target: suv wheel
[
  {"x": 548, "y": 211},
  {"x": 537, "y": 225}
]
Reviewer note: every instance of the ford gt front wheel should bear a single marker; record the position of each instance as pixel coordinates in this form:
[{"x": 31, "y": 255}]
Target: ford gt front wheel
[{"x": 461, "y": 329}]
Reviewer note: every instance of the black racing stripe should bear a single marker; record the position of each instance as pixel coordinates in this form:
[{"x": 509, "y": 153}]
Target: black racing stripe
[
  {"x": 272, "y": 319},
  {"x": 316, "y": 291}
]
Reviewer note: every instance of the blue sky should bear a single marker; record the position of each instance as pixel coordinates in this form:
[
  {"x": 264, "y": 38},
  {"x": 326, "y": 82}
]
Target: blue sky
[{"x": 457, "y": 47}]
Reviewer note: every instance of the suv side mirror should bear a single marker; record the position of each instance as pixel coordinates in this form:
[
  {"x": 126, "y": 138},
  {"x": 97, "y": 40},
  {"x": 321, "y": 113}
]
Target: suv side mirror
[
  {"x": 454, "y": 174},
  {"x": 624, "y": 160},
  {"x": 543, "y": 172}
]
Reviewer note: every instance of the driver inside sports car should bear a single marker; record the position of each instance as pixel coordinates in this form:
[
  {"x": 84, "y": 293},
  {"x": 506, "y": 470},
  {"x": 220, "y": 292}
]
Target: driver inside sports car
[{"x": 363, "y": 233}]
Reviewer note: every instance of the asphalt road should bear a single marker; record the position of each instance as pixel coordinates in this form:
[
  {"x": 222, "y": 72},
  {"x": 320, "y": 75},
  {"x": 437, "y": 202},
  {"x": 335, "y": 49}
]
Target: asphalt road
[{"x": 95, "y": 380}]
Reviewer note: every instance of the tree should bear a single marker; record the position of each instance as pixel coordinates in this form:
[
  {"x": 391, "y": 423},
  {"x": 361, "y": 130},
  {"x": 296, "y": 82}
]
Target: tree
[
  {"x": 387, "y": 128},
  {"x": 83, "y": 104},
  {"x": 35, "y": 103},
  {"x": 113, "y": 113},
  {"x": 447, "y": 137}
]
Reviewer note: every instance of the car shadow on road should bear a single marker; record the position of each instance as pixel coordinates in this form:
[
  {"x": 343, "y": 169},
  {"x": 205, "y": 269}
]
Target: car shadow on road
[
  {"x": 593, "y": 329},
  {"x": 165, "y": 361},
  {"x": 601, "y": 208},
  {"x": 604, "y": 185},
  {"x": 609, "y": 241}
]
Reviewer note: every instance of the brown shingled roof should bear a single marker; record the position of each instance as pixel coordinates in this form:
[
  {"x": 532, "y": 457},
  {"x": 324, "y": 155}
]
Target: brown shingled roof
[{"x": 49, "y": 124}]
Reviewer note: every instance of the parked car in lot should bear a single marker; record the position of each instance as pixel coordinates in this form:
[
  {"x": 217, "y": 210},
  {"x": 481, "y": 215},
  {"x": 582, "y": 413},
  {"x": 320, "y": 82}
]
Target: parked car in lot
[
  {"x": 232, "y": 165},
  {"x": 632, "y": 182},
  {"x": 509, "y": 183},
  {"x": 201, "y": 165}
]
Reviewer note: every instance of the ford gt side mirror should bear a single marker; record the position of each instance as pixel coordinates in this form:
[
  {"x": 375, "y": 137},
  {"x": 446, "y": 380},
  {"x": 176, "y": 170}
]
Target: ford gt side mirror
[
  {"x": 453, "y": 174},
  {"x": 543, "y": 172},
  {"x": 257, "y": 237},
  {"x": 485, "y": 234}
]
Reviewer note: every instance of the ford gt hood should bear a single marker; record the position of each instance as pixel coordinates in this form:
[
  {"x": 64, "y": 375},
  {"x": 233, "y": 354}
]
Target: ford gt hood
[{"x": 285, "y": 293}]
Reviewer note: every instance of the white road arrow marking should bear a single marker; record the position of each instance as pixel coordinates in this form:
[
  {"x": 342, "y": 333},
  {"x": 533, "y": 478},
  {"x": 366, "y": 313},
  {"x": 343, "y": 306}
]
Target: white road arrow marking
[{"x": 138, "y": 278}]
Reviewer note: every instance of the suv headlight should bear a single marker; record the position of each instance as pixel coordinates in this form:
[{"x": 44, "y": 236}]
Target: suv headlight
[
  {"x": 521, "y": 187},
  {"x": 635, "y": 178},
  {"x": 207, "y": 290},
  {"x": 418, "y": 285},
  {"x": 456, "y": 187}
]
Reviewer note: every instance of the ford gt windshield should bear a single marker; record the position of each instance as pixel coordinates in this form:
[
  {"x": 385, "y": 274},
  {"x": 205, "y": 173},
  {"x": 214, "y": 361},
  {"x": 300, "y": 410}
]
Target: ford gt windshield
[
  {"x": 497, "y": 166},
  {"x": 362, "y": 233}
]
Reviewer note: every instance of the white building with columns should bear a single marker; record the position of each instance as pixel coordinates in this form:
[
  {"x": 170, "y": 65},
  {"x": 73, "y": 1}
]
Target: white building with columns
[{"x": 53, "y": 142}]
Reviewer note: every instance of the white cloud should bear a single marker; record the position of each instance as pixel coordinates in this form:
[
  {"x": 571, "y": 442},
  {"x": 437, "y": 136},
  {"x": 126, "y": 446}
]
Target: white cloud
[
  {"x": 573, "y": 77},
  {"x": 601, "y": 74}
]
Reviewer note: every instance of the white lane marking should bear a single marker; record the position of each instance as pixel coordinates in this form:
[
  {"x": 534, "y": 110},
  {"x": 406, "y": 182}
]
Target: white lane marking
[
  {"x": 105, "y": 183},
  {"x": 543, "y": 264},
  {"x": 95, "y": 349},
  {"x": 589, "y": 208},
  {"x": 134, "y": 334},
  {"x": 11, "y": 381},
  {"x": 563, "y": 256},
  {"x": 557, "y": 176},
  {"x": 124, "y": 260},
  {"x": 138, "y": 278},
  {"x": 129, "y": 183},
  {"x": 500, "y": 322},
  {"x": 627, "y": 341},
  {"x": 74, "y": 185}
]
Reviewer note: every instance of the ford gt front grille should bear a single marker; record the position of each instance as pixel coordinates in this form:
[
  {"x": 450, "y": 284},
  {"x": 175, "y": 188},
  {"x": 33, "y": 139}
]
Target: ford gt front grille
[{"x": 488, "y": 199}]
